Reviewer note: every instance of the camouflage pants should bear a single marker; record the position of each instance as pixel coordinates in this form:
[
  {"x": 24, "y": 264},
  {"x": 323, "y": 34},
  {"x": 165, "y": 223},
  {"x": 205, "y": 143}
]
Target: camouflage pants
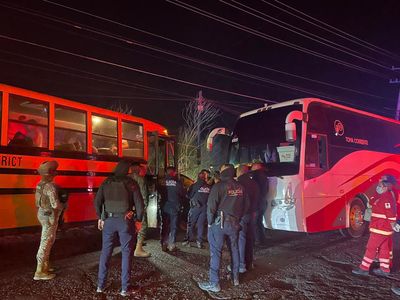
[
  {"x": 142, "y": 232},
  {"x": 49, "y": 222}
]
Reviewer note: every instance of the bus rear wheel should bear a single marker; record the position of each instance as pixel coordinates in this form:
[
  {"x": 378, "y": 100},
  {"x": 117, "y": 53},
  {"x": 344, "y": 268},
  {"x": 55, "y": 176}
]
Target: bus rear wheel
[{"x": 357, "y": 225}]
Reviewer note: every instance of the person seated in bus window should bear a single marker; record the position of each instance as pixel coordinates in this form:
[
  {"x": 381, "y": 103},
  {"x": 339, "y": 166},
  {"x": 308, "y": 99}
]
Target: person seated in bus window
[
  {"x": 78, "y": 146},
  {"x": 114, "y": 149},
  {"x": 34, "y": 132},
  {"x": 15, "y": 127},
  {"x": 269, "y": 154},
  {"x": 21, "y": 140}
]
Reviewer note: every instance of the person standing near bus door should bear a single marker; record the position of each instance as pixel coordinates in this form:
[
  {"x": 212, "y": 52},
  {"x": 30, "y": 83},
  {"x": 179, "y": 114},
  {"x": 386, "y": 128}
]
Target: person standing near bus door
[
  {"x": 259, "y": 174},
  {"x": 198, "y": 194},
  {"x": 138, "y": 173},
  {"x": 172, "y": 194},
  {"x": 248, "y": 221},
  {"x": 116, "y": 202},
  {"x": 225, "y": 207},
  {"x": 49, "y": 209},
  {"x": 381, "y": 227}
]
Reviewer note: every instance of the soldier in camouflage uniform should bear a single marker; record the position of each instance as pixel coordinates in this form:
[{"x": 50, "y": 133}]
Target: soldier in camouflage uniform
[
  {"x": 49, "y": 209},
  {"x": 138, "y": 173}
]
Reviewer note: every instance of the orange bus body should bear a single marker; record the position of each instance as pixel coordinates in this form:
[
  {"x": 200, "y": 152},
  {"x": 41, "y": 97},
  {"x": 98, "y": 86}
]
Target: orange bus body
[{"x": 80, "y": 174}]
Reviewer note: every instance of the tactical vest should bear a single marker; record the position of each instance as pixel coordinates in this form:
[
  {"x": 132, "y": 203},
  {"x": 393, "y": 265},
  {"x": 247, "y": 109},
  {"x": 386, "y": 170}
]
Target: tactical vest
[
  {"x": 42, "y": 200},
  {"x": 116, "y": 196}
]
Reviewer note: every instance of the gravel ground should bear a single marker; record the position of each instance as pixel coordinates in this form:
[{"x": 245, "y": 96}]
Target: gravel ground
[{"x": 290, "y": 266}]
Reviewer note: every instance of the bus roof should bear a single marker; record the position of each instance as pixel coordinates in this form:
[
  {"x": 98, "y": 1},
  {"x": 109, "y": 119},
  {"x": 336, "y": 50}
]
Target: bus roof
[
  {"x": 150, "y": 125},
  {"x": 307, "y": 101}
]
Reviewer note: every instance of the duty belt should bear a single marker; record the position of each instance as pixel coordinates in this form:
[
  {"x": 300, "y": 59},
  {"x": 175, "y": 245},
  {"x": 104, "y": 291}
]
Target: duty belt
[{"x": 115, "y": 215}]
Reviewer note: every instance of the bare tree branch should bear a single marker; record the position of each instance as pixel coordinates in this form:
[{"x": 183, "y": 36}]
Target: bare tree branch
[{"x": 198, "y": 120}]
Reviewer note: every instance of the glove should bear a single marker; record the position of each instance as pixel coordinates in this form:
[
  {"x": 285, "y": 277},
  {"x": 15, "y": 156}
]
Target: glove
[
  {"x": 100, "y": 224},
  {"x": 396, "y": 227}
]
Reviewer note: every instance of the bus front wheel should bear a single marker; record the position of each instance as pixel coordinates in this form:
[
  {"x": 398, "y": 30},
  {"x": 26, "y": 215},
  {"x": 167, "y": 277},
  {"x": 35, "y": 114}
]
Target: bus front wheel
[{"x": 357, "y": 225}]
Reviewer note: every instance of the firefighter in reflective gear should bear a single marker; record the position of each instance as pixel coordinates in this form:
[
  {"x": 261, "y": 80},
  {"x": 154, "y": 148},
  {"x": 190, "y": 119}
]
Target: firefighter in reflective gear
[
  {"x": 116, "y": 202},
  {"x": 226, "y": 204},
  {"x": 138, "y": 173},
  {"x": 198, "y": 194},
  {"x": 382, "y": 225},
  {"x": 49, "y": 209}
]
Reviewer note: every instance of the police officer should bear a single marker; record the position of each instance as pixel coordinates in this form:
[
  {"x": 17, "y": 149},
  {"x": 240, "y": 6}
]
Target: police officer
[
  {"x": 198, "y": 195},
  {"x": 49, "y": 209},
  {"x": 248, "y": 221},
  {"x": 138, "y": 173},
  {"x": 117, "y": 199},
  {"x": 225, "y": 207},
  {"x": 172, "y": 194},
  {"x": 259, "y": 174}
]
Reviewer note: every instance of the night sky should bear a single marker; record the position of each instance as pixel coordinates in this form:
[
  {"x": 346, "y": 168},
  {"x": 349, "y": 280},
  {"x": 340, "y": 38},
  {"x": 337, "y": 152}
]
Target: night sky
[{"x": 358, "y": 75}]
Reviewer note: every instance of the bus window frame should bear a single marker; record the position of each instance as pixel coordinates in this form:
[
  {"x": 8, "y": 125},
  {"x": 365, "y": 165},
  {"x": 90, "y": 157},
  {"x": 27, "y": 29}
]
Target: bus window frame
[
  {"x": 143, "y": 139},
  {"x": 6, "y": 116},
  {"x": 65, "y": 153},
  {"x": 319, "y": 153},
  {"x": 119, "y": 140}
]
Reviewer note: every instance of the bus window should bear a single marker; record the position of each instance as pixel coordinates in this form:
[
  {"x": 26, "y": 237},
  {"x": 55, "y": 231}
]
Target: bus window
[
  {"x": 316, "y": 155},
  {"x": 104, "y": 135},
  {"x": 28, "y": 122},
  {"x": 132, "y": 140},
  {"x": 70, "y": 130}
]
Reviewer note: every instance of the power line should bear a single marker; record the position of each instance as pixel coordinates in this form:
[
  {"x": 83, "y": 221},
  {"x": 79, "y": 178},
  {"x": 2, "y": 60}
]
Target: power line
[
  {"x": 332, "y": 29},
  {"x": 303, "y": 33},
  {"x": 273, "y": 39},
  {"x": 134, "y": 69},
  {"x": 207, "y": 51}
]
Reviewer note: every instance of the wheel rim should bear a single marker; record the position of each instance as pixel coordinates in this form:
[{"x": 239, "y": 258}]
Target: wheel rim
[{"x": 356, "y": 217}]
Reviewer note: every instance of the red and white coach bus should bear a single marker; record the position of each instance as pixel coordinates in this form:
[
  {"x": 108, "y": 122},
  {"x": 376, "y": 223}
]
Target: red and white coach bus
[
  {"x": 323, "y": 161},
  {"x": 86, "y": 141}
]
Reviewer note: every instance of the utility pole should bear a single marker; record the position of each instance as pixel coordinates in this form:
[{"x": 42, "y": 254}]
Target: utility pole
[
  {"x": 200, "y": 108},
  {"x": 396, "y": 81}
]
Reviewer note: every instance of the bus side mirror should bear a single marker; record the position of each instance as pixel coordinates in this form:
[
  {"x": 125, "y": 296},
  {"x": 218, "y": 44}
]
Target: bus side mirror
[
  {"x": 290, "y": 131},
  {"x": 290, "y": 126}
]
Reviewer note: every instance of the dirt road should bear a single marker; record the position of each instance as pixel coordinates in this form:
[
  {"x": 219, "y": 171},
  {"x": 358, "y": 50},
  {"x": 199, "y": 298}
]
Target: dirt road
[{"x": 290, "y": 266}]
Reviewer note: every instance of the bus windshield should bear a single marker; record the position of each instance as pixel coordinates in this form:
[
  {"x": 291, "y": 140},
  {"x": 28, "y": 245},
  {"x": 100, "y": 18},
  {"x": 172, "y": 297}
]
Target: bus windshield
[{"x": 260, "y": 137}]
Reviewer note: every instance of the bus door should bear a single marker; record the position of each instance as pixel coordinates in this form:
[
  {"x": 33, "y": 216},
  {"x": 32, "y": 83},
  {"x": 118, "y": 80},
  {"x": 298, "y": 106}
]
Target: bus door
[
  {"x": 161, "y": 154},
  {"x": 152, "y": 176},
  {"x": 319, "y": 190}
]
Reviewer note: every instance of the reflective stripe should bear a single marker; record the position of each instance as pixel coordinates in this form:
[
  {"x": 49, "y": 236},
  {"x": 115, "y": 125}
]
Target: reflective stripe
[
  {"x": 386, "y": 266},
  {"x": 392, "y": 219},
  {"x": 368, "y": 259},
  {"x": 378, "y": 231},
  {"x": 365, "y": 264},
  {"x": 384, "y": 260},
  {"x": 381, "y": 216}
]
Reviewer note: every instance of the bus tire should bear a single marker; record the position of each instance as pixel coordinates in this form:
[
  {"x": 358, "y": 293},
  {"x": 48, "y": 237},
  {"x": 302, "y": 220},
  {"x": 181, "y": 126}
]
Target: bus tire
[{"x": 357, "y": 225}]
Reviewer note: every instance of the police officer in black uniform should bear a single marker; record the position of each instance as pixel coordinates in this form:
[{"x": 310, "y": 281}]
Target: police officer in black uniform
[
  {"x": 248, "y": 221},
  {"x": 198, "y": 194},
  {"x": 259, "y": 174},
  {"x": 116, "y": 202},
  {"x": 225, "y": 207},
  {"x": 172, "y": 194}
]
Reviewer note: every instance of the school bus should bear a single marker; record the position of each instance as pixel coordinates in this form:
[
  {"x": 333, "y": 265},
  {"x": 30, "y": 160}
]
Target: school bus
[{"x": 85, "y": 140}]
